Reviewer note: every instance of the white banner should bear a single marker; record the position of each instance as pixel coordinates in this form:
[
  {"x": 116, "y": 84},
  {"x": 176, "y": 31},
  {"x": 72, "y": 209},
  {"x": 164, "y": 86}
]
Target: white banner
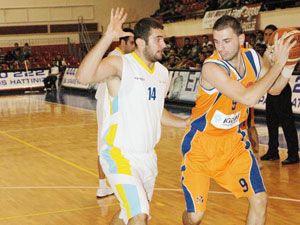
[
  {"x": 184, "y": 87},
  {"x": 22, "y": 79},
  {"x": 247, "y": 15},
  {"x": 70, "y": 80},
  {"x": 211, "y": 17}
]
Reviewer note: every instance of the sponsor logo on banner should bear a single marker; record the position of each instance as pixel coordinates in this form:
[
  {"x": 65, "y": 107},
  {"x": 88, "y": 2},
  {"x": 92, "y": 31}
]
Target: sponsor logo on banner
[{"x": 10, "y": 80}]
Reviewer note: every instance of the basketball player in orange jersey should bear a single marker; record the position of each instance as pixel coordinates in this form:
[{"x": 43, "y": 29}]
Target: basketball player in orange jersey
[{"x": 232, "y": 80}]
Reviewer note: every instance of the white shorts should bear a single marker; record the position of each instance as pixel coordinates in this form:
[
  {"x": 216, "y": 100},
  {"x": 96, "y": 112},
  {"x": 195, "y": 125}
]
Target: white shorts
[{"x": 132, "y": 178}]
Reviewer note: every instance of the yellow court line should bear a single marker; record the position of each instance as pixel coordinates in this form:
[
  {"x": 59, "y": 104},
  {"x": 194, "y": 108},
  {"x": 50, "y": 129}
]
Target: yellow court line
[
  {"x": 50, "y": 127},
  {"x": 54, "y": 212},
  {"x": 50, "y": 154}
]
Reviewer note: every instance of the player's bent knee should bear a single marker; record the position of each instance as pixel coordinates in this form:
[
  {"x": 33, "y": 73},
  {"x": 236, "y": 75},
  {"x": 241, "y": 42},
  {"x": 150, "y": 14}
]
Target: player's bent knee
[{"x": 138, "y": 219}]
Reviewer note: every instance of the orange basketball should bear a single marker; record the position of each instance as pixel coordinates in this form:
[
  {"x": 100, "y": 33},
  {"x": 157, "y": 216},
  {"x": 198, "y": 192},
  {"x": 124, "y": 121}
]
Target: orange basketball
[{"x": 285, "y": 33}]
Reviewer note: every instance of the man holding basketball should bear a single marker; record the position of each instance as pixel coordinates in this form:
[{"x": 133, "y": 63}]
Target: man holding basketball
[
  {"x": 214, "y": 146},
  {"x": 279, "y": 112}
]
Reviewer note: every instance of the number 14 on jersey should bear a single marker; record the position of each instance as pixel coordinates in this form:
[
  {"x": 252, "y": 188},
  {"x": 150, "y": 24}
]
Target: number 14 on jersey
[{"x": 151, "y": 93}]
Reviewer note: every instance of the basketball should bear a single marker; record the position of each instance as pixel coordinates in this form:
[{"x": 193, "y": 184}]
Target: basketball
[{"x": 285, "y": 33}]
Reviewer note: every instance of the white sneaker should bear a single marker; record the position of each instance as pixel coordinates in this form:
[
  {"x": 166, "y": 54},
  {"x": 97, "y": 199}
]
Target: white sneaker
[{"x": 102, "y": 192}]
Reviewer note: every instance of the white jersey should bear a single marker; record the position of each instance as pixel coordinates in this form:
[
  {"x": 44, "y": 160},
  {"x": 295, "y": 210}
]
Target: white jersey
[
  {"x": 134, "y": 121},
  {"x": 100, "y": 96}
]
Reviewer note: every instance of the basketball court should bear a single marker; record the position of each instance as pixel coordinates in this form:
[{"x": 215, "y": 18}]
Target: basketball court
[{"x": 49, "y": 171}]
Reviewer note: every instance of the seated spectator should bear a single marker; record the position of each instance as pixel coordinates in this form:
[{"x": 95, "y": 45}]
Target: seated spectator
[
  {"x": 2, "y": 56},
  {"x": 9, "y": 58},
  {"x": 16, "y": 49},
  {"x": 195, "y": 48},
  {"x": 18, "y": 55},
  {"x": 210, "y": 47},
  {"x": 172, "y": 62},
  {"x": 26, "y": 51},
  {"x": 205, "y": 40},
  {"x": 187, "y": 48},
  {"x": 200, "y": 60}
]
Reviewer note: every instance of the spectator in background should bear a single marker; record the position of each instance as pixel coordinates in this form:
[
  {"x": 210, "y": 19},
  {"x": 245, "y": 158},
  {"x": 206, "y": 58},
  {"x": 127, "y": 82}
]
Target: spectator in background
[
  {"x": 60, "y": 62},
  {"x": 279, "y": 112},
  {"x": 50, "y": 80},
  {"x": 260, "y": 48},
  {"x": 187, "y": 48},
  {"x": 173, "y": 43},
  {"x": 16, "y": 48},
  {"x": 210, "y": 47},
  {"x": 172, "y": 62},
  {"x": 9, "y": 58},
  {"x": 2, "y": 56},
  {"x": 205, "y": 41},
  {"x": 259, "y": 37},
  {"x": 195, "y": 48},
  {"x": 26, "y": 51},
  {"x": 200, "y": 60},
  {"x": 18, "y": 56}
]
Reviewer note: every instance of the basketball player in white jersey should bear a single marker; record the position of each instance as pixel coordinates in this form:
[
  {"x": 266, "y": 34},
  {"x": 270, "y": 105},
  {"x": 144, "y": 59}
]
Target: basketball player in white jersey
[
  {"x": 126, "y": 45},
  {"x": 137, "y": 85}
]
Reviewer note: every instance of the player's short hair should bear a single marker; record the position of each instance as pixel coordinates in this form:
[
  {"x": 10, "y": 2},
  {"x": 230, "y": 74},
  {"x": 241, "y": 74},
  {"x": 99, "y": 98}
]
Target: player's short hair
[
  {"x": 228, "y": 21},
  {"x": 271, "y": 27},
  {"x": 126, "y": 38},
  {"x": 143, "y": 27}
]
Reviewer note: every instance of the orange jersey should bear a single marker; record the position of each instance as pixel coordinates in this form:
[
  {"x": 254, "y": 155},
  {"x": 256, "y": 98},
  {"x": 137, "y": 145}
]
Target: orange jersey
[{"x": 217, "y": 114}]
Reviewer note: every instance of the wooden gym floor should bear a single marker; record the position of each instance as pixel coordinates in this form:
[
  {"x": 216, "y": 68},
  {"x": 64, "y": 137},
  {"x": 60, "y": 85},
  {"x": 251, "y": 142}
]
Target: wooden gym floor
[{"x": 49, "y": 175}]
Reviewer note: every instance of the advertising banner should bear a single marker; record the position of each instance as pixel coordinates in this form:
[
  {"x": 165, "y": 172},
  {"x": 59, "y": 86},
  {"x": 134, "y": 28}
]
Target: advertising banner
[
  {"x": 13, "y": 80},
  {"x": 247, "y": 15}
]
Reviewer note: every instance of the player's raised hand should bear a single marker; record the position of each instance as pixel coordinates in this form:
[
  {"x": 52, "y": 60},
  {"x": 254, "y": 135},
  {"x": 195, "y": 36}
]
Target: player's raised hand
[
  {"x": 282, "y": 48},
  {"x": 114, "y": 28}
]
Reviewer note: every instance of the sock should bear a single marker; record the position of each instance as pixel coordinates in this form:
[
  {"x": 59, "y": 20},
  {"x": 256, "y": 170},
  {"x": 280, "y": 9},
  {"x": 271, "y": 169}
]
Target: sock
[{"x": 102, "y": 183}]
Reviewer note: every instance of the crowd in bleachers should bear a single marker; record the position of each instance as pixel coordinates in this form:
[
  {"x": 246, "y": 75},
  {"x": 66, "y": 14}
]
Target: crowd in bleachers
[
  {"x": 173, "y": 10},
  {"x": 28, "y": 57}
]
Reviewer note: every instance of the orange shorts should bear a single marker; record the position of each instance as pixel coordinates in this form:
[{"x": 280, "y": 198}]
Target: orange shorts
[{"x": 227, "y": 159}]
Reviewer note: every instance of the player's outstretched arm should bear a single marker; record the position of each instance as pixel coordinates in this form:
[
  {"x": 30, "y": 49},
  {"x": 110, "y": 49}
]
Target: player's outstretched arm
[{"x": 93, "y": 69}]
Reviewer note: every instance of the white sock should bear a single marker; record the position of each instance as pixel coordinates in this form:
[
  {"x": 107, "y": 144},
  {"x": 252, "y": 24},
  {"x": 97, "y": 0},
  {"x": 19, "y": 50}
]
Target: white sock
[{"x": 102, "y": 183}]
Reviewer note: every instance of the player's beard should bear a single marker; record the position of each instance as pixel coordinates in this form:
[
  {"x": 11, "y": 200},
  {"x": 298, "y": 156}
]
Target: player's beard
[{"x": 151, "y": 56}]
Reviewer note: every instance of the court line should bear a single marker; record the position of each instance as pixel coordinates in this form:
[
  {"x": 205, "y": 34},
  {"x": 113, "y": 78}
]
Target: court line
[
  {"x": 72, "y": 107},
  {"x": 49, "y": 127},
  {"x": 50, "y": 154},
  {"x": 157, "y": 189},
  {"x": 55, "y": 212}
]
